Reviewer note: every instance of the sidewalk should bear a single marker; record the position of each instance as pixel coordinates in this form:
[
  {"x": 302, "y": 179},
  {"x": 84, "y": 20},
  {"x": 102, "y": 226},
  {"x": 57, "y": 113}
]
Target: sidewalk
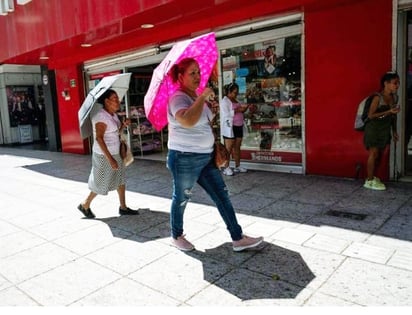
[{"x": 328, "y": 241}]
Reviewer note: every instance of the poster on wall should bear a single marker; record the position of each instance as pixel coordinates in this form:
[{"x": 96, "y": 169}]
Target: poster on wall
[{"x": 21, "y": 105}]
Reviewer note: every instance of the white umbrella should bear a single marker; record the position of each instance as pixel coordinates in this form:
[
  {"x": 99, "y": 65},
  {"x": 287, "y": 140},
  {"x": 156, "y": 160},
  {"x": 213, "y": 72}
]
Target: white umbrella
[{"x": 118, "y": 83}]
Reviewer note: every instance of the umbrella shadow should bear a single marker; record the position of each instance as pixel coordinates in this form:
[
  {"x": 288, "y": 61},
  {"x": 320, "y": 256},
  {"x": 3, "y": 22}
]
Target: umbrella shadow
[
  {"x": 269, "y": 272},
  {"x": 149, "y": 224}
]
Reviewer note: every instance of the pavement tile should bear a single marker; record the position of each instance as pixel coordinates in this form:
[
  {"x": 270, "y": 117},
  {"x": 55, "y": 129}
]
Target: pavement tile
[
  {"x": 12, "y": 161},
  {"x": 368, "y": 252},
  {"x": 4, "y": 283},
  {"x": 91, "y": 239},
  {"x": 37, "y": 216},
  {"x": 6, "y": 200},
  {"x": 14, "y": 297},
  {"x": 371, "y": 284},
  {"x": 126, "y": 293},
  {"x": 34, "y": 261},
  {"x": 389, "y": 242},
  {"x": 324, "y": 300},
  {"x": 10, "y": 210},
  {"x": 406, "y": 209},
  {"x": 323, "y": 193},
  {"x": 17, "y": 242},
  {"x": 401, "y": 259},
  {"x": 298, "y": 265},
  {"x": 342, "y": 228},
  {"x": 62, "y": 226},
  {"x": 398, "y": 226},
  {"x": 180, "y": 275},
  {"x": 7, "y": 228},
  {"x": 327, "y": 243},
  {"x": 290, "y": 210},
  {"x": 292, "y": 235},
  {"x": 261, "y": 190},
  {"x": 146, "y": 220},
  {"x": 67, "y": 284},
  {"x": 129, "y": 255},
  {"x": 242, "y": 287},
  {"x": 244, "y": 202},
  {"x": 261, "y": 228},
  {"x": 374, "y": 202}
]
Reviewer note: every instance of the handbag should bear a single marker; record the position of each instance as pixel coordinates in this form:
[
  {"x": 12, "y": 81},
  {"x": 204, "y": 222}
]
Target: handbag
[
  {"x": 125, "y": 152},
  {"x": 221, "y": 155}
]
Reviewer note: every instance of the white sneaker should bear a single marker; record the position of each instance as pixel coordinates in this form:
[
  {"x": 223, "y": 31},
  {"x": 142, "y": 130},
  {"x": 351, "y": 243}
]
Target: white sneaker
[
  {"x": 246, "y": 242},
  {"x": 182, "y": 243},
  {"x": 376, "y": 179},
  {"x": 374, "y": 184},
  {"x": 228, "y": 171},
  {"x": 240, "y": 169}
]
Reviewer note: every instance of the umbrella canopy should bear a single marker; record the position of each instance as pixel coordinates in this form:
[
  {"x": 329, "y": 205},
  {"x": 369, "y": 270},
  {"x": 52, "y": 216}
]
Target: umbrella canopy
[
  {"x": 118, "y": 83},
  {"x": 203, "y": 49}
]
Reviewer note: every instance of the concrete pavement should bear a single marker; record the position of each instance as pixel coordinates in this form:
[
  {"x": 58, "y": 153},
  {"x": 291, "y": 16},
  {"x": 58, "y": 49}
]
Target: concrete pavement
[{"x": 328, "y": 241}]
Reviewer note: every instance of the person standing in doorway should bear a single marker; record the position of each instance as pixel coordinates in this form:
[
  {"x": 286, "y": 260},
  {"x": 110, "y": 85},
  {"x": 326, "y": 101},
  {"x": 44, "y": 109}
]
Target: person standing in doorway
[
  {"x": 108, "y": 169},
  {"x": 190, "y": 156},
  {"x": 232, "y": 120},
  {"x": 381, "y": 121}
]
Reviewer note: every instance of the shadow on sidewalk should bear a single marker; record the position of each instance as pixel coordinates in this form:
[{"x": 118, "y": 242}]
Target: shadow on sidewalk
[
  {"x": 269, "y": 272},
  {"x": 149, "y": 224}
]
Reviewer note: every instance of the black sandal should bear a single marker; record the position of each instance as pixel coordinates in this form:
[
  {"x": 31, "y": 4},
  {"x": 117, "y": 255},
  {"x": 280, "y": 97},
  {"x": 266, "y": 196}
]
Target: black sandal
[{"x": 87, "y": 212}]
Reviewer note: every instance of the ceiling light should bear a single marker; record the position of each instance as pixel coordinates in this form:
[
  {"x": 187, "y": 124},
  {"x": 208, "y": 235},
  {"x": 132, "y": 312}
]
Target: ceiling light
[
  {"x": 147, "y": 25},
  {"x": 86, "y": 45},
  {"x": 43, "y": 58}
]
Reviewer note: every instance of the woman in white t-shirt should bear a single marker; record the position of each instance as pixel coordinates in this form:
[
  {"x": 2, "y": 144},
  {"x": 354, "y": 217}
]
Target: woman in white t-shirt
[
  {"x": 108, "y": 169},
  {"x": 232, "y": 120},
  {"x": 190, "y": 156}
]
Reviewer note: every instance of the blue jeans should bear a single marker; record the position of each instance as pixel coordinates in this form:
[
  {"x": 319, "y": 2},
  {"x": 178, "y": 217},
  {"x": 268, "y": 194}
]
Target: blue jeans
[{"x": 187, "y": 169}]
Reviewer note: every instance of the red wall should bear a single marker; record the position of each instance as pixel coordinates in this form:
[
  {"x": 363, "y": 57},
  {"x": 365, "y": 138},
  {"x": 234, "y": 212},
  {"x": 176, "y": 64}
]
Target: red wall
[
  {"x": 68, "y": 109},
  {"x": 347, "y": 49}
]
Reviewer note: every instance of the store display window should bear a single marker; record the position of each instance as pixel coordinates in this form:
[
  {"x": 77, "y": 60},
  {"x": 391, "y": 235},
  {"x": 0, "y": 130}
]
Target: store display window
[
  {"x": 268, "y": 74},
  {"x": 22, "y": 106}
]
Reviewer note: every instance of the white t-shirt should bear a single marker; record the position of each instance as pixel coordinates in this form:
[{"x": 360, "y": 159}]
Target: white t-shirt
[
  {"x": 226, "y": 117},
  {"x": 196, "y": 139},
  {"x": 111, "y": 136}
]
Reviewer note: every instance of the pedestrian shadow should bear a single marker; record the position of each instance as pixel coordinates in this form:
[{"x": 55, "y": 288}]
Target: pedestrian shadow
[
  {"x": 268, "y": 272},
  {"x": 149, "y": 224}
]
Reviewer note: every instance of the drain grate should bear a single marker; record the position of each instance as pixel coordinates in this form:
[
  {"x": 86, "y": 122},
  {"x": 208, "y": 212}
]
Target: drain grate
[{"x": 347, "y": 215}]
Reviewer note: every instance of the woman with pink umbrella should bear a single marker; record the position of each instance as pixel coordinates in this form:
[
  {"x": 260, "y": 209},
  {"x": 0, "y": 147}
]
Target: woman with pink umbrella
[{"x": 190, "y": 156}]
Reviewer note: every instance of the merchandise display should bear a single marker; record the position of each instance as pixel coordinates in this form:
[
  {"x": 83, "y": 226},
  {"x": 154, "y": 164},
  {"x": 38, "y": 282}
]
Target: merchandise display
[
  {"x": 268, "y": 75},
  {"x": 144, "y": 138}
]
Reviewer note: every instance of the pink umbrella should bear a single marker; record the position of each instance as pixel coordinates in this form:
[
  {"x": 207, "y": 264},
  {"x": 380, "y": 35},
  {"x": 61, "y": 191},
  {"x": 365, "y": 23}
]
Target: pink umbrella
[{"x": 203, "y": 49}]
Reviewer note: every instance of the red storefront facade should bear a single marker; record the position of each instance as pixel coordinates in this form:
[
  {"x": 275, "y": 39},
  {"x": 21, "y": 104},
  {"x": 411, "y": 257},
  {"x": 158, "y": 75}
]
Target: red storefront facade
[{"x": 346, "y": 45}]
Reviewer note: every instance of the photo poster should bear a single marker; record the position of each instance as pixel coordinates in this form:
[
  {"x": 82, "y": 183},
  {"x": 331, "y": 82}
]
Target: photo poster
[
  {"x": 271, "y": 55},
  {"x": 22, "y": 106}
]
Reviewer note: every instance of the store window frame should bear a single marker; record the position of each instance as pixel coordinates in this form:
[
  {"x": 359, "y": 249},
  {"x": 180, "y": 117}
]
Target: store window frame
[{"x": 256, "y": 37}]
